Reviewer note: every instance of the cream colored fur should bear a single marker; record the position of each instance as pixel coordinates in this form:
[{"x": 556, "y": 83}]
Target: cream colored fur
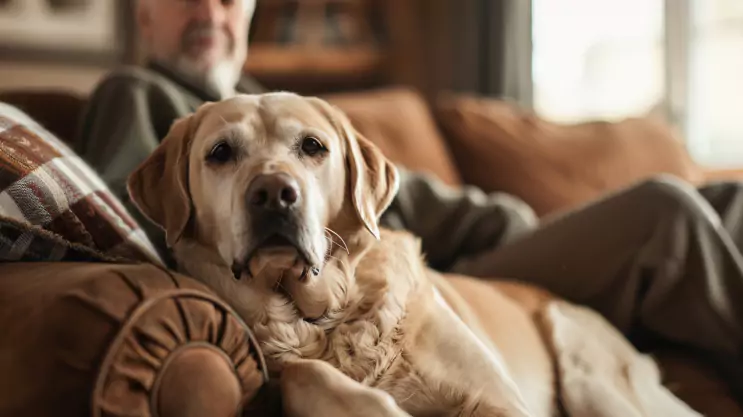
[{"x": 376, "y": 332}]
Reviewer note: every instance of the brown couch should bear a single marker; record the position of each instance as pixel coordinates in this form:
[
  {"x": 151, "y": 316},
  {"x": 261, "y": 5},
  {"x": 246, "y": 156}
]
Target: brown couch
[{"x": 115, "y": 340}]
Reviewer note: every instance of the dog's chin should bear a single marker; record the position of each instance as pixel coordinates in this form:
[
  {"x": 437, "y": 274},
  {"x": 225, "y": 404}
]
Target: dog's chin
[
  {"x": 276, "y": 263},
  {"x": 274, "y": 259}
]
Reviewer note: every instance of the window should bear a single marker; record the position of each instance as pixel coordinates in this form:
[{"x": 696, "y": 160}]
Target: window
[
  {"x": 611, "y": 59},
  {"x": 597, "y": 58},
  {"x": 714, "y": 115}
]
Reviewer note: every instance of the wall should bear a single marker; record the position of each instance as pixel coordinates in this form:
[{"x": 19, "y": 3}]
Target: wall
[{"x": 20, "y": 75}]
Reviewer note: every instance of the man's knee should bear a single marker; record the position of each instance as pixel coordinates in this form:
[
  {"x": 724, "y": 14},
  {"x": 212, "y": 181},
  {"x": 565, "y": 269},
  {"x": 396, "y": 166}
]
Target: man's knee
[
  {"x": 725, "y": 197},
  {"x": 667, "y": 186},
  {"x": 672, "y": 193},
  {"x": 723, "y": 189}
]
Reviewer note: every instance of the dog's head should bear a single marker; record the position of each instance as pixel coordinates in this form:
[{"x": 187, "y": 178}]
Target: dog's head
[{"x": 259, "y": 178}]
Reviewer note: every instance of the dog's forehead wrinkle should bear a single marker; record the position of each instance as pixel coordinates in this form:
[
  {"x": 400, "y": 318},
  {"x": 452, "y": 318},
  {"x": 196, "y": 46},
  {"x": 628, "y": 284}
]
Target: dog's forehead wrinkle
[
  {"x": 288, "y": 126},
  {"x": 244, "y": 119},
  {"x": 289, "y": 113}
]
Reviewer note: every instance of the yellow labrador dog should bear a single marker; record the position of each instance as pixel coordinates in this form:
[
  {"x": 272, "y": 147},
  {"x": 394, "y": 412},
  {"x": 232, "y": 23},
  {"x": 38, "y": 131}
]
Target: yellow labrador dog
[{"x": 273, "y": 201}]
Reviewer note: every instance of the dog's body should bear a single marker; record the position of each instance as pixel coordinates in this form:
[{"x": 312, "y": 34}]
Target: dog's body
[{"x": 300, "y": 256}]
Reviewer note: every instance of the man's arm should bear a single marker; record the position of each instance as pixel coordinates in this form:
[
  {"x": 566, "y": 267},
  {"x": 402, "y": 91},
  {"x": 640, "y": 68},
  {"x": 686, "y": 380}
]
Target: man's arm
[
  {"x": 126, "y": 117},
  {"x": 455, "y": 223}
]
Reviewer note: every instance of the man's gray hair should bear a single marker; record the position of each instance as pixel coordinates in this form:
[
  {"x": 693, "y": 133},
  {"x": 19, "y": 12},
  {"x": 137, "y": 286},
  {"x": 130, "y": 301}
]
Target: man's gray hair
[{"x": 248, "y": 5}]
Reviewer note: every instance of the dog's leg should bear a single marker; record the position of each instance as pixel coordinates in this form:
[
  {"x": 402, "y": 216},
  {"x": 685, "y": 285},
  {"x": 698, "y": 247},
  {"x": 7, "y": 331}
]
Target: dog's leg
[
  {"x": 600, "y": 373},
  {"x": 312, "y": 388},
  {"x": 463, "y": 372}
]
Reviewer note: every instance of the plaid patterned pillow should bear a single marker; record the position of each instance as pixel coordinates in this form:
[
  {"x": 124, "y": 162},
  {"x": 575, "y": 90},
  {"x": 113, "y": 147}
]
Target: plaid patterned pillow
[{"x": 53, "y": 206}]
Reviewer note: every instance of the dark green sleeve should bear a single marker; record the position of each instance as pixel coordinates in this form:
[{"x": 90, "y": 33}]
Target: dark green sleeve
[
  {"x": 455, "y": 223},
  {"x": 125, "y": 120}
]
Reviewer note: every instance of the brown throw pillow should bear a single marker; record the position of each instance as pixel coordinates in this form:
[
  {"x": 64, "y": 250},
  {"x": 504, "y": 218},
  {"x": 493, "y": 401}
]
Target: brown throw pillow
[
  {"x": 500, "y": 147},
  {"x": 399, "y": 121}
]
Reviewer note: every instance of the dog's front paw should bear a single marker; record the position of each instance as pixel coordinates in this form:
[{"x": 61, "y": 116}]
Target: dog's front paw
[
  {"x": 314, "y": 388},
  {"x": 313, "y": 291},
  {"x": 309, "y": 292}
]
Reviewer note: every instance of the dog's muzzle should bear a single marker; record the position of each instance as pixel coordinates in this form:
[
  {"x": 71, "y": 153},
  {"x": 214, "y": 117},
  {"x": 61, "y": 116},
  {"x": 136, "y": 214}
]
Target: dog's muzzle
[
  {"x": 274, "y": 205},
  {"x": 273, "y": 202}
]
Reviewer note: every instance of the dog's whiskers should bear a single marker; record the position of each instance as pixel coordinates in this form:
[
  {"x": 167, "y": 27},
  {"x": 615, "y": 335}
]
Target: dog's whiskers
[
  {"x": 329, "y": 238},
  {"x": 278, "y": 283},
  {"x": 328, "y": 256},
  {"x": 345, "y": 246},
  {"x": 406, "y": 398},
  {"x": 329, "y": 250}
]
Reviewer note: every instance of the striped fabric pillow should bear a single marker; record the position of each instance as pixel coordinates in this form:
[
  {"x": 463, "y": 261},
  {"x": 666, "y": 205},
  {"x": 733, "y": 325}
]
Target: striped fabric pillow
[{"x": 52, "y": 204}]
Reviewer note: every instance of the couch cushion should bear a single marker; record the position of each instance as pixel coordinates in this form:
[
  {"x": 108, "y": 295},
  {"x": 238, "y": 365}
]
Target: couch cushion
[
  {"x": 399, "y": 121},
  {"x": 46, "y": 190},
  {"x": 551, "y": 166}
]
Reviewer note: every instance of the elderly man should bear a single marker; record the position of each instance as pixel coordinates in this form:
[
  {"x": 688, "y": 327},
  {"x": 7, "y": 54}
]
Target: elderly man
[
  {"x": 661, "y": 257},
  {"x": 196, "y": 50}
]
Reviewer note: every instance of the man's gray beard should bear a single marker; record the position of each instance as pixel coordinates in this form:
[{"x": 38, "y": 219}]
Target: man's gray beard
[{"x": 221, "y": 79}]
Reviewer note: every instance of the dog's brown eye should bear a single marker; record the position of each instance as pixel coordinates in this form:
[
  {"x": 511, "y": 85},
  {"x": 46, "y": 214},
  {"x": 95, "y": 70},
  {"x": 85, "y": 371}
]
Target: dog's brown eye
[
  {"x": 312, "y": 146},
  {"x": 220, "y": 153}
]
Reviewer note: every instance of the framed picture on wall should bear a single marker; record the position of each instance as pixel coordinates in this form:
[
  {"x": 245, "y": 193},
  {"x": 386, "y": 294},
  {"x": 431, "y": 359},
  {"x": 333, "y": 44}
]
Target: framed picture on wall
[{"x": 66, "y": 29}]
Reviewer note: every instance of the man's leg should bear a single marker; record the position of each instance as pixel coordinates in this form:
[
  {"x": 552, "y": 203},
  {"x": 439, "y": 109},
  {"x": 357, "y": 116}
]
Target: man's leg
[{"x": 661, "y": 255}]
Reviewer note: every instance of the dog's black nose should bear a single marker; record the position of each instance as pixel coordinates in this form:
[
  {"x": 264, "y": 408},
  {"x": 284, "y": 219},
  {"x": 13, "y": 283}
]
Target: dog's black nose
[{"x": 273, "y": 192}]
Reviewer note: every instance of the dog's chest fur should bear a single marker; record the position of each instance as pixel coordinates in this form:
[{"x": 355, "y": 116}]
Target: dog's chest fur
[{"x": 364, "y": 336}]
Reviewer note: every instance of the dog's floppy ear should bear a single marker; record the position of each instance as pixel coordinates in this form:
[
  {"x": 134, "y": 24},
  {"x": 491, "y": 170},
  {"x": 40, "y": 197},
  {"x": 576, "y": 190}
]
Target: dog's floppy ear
[
  {"x": 373, "y": 179},
  {"x": 159, "y": 186}
]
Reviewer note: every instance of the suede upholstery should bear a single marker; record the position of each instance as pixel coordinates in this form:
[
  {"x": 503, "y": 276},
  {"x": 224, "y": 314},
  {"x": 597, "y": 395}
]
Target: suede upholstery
[
  {"x": 114, "y": 339},
  {"x": 86, "y": 339},
  {"x": 554, "y": 167},
  {"x": 399, "y": 122}
]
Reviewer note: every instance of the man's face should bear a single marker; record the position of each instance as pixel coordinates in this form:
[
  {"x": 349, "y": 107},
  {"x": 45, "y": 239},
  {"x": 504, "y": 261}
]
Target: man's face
[{"x": 197, "y": 36}]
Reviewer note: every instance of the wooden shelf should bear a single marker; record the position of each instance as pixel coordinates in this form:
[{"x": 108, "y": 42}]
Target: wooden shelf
[{"x": 313, "y": 62}]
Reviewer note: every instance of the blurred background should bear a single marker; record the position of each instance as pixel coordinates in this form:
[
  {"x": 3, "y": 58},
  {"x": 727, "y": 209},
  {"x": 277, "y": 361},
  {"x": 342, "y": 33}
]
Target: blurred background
[{"x": 569, "y": 60}]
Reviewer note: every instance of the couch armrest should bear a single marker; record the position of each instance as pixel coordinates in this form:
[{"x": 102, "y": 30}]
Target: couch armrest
[{"x": 108, "y": 340}]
